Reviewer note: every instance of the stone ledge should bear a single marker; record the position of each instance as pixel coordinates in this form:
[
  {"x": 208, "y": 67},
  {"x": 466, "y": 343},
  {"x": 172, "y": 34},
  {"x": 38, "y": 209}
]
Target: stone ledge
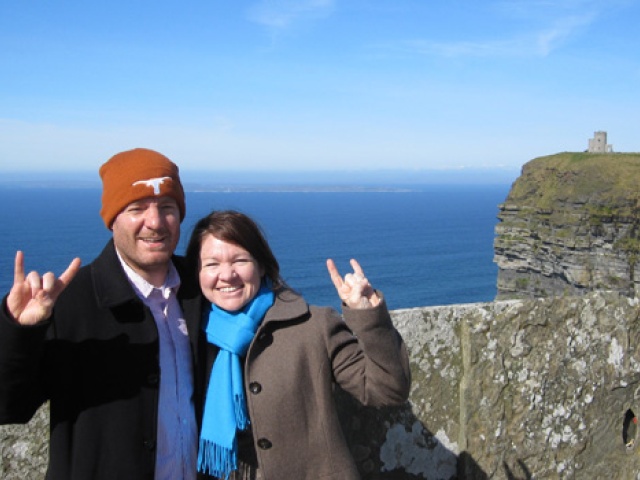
[{"x": 508, "y": 389}]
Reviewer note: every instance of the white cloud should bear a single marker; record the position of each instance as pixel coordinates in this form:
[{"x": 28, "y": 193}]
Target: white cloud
[
  {"x": 466, "y": 48},
  {"x": 540, "y": 9},
  {"x": 563, "y": 29},
  {"x": 282, "y": 14},
  {"x": 547, "y": 25}
]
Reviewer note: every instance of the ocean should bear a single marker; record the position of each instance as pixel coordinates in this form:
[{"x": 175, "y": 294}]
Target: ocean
[{"x": 421, "y": 246}]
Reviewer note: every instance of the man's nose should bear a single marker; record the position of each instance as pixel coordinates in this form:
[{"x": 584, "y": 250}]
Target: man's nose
[{"x": 153, "y": 218}]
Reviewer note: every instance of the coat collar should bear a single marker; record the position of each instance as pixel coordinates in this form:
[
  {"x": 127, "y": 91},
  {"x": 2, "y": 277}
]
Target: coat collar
[
  {"x": 113, "y": 289},
  {"x": 288, "y": 305},
  {"x": 112, "y": 285},
  {"x": 110, "y": 281}
]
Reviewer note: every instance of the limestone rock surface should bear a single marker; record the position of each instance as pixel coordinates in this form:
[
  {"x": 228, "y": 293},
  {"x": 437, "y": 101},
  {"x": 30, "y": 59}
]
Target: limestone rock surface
[
  {"x": 517, "y": 389},
  {"x": 569, "y": 226}
]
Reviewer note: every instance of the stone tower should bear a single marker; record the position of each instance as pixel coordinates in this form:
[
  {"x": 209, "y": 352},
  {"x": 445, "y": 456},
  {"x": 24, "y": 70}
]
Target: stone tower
[{"x": 598, "y": 144}]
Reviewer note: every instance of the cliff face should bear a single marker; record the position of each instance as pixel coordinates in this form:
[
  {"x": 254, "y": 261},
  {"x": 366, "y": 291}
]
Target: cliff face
[{"x": 570, "y": 225}]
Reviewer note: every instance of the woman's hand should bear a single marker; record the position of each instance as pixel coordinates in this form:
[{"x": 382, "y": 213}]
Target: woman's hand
[{"x": 354, "y": 290}]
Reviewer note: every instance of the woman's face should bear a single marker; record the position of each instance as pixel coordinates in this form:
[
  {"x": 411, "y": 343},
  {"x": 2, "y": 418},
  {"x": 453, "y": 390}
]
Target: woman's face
[{"x": 229, "y": 276}]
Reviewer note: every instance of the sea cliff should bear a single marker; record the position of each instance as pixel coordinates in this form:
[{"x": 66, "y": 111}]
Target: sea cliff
[{"x": 570, "y": 226}]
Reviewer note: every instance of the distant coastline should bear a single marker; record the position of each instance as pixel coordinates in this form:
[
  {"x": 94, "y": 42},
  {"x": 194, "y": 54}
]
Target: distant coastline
[{"x": 279, "y": 181}]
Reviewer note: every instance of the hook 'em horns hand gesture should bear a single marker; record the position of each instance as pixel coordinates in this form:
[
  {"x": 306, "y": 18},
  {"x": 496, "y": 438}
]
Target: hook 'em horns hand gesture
[
  {"x": 354, "y": 290},
  {"x": 32, "y": 297}
]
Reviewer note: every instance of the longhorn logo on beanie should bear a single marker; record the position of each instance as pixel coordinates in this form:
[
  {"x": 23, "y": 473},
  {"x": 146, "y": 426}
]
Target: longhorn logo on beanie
[{"x": 136, "y": 174}]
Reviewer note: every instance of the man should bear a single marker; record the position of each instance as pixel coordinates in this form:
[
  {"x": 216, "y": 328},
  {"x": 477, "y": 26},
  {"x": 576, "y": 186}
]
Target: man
[{"x": 111, "y": 345}]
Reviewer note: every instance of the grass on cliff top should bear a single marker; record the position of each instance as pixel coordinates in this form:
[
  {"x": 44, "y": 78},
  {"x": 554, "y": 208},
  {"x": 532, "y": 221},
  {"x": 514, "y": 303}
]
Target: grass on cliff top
[{"x": 608, "y": 178}]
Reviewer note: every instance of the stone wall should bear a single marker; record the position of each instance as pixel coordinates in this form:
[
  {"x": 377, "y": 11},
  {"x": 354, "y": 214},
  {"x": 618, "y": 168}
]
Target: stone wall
[{"x": 517, "y": 389}]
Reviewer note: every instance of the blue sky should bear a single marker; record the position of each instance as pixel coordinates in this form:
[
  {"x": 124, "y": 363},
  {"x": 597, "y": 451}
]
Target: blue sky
[{"x": 315, "y": 84}]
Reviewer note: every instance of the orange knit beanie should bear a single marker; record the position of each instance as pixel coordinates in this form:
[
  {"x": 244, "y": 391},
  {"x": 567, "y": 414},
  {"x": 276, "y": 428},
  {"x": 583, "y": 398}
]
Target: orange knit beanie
[{"x": 136, "y": 174}]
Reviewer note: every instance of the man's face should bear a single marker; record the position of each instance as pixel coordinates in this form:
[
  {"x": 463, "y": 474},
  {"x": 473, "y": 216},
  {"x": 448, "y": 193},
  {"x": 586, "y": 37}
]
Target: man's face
[{"x": 146, "y": 234}]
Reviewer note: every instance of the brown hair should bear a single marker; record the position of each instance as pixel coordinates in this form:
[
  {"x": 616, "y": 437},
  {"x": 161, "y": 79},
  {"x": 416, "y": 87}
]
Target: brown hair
[{"x": 235, "y": 227}]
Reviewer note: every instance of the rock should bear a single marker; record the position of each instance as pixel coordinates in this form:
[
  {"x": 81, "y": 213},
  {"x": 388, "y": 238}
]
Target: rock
[
  {"x": 514, "y": 389},
  {"x": 569, "y": 226}
]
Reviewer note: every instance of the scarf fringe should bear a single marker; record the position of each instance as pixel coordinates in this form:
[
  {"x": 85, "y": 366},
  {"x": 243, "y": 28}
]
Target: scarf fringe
[{"x": 216, "y": 460}]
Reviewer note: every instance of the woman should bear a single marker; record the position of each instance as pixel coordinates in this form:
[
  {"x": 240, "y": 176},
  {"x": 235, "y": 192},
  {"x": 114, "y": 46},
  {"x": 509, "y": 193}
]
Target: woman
[{"x": 269, "y": 411}]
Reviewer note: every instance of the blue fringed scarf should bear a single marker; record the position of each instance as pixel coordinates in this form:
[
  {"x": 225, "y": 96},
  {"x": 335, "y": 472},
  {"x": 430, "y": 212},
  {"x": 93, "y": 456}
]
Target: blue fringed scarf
[{"x": 225, "y": 408}]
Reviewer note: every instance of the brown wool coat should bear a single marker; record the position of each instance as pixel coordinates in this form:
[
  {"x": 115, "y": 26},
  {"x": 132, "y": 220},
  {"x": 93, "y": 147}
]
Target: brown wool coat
[{"x": 296, "y": 355}]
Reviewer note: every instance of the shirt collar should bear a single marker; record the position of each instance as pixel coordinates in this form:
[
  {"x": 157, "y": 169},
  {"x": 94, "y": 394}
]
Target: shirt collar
[{"x": 171, "y": 283}]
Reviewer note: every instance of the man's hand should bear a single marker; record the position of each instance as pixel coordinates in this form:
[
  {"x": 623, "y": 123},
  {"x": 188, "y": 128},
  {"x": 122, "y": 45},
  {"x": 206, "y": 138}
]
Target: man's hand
[{"x": 31, "y": 298}]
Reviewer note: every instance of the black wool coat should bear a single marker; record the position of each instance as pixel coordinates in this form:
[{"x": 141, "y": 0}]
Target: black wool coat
[{"x": 96, "y": 362}]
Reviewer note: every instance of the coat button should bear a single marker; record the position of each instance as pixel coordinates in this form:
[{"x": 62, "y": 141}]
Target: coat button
[
  {"x": 153, "y": 379},
  {"x": 264, "y": 338},
  {"x": 255, "y": 388},
  {"x": 149, "y": 444},
  {"x": 264, "y": 444}
]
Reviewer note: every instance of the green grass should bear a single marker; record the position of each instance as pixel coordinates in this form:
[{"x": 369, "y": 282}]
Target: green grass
[{"x": 608, "y": 184}]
